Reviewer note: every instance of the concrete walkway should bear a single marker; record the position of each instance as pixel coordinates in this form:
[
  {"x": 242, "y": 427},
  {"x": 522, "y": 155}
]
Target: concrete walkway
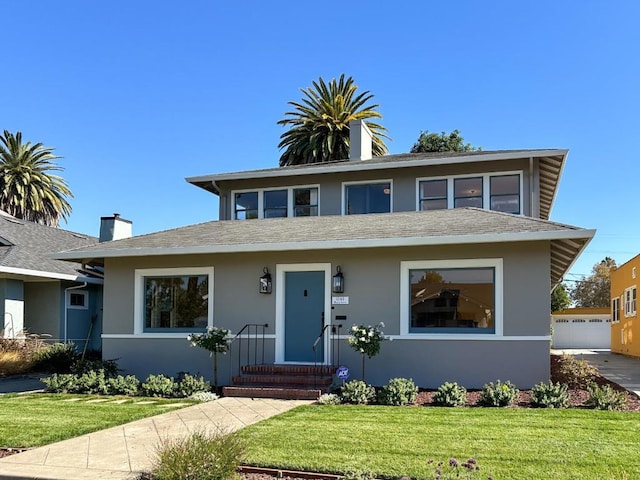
[
  {"x": 621, "y": 369},
  {"x": 123, "y": 452}
]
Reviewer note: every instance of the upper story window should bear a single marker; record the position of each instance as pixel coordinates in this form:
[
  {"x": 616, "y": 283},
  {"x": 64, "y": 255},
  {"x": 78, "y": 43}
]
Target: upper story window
[
  {"x": 367, "y": 198},
  {"x": 615, "y": 310},
  {"x": 284, "y": 202},
  {"x": 630, "y": 299},
  {"x": 499, "y": 192}
]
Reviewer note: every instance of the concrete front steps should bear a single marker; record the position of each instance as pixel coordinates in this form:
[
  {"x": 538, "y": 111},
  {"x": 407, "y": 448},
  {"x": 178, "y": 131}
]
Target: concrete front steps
[{"x": 291, "y": 382}]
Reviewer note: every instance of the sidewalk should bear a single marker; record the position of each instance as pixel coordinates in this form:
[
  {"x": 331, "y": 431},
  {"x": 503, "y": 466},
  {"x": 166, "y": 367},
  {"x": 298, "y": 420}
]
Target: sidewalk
[
  {"x": 122, "y": 452},
  {"x": 621, "y": 369}
]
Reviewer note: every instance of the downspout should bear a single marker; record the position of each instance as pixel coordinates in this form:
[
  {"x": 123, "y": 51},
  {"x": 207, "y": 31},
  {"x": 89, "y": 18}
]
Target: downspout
[{"x": 66, "y": 307}]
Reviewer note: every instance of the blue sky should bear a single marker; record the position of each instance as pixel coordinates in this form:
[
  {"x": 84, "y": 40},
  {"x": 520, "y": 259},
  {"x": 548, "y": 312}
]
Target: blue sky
[{"x": 136, "y": 96}]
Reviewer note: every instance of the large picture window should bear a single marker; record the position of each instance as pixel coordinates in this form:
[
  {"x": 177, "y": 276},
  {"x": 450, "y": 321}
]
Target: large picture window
[
  {"x": 452, "y": 297},
  {"x": 174, "y": 300},
  {"x": 363, "y": 198}
]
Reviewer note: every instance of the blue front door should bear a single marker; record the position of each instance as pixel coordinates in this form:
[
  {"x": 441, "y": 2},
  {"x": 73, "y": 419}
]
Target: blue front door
[{"x": 303, "y": 316}]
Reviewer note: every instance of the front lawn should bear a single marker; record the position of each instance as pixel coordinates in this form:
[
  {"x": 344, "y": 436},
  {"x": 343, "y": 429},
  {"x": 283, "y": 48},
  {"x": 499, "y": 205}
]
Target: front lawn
[
  {"x": 38, "y": 419},
  {"x": 509, "y": 443}
]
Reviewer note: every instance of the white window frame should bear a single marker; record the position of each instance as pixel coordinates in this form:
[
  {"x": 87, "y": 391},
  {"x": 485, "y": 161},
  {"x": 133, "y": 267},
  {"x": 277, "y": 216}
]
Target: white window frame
[
  {"x": 139, "y": 301},
  {"x": 261, "y": 192},
  {"x": 615, "y": 310},
  {"x": 630, "y": 303},
  {"x": 83, "y": 293},
  {"x": 486, "y": 187},
  {"x": 366, "y": 182},
  {"x": 405, "y": 293}
]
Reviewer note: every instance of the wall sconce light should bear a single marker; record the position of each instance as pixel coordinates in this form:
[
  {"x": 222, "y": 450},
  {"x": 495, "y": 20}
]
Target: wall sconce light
[
  {"x": 338, "y": 281},
  {"x": 265, "y": 285}
]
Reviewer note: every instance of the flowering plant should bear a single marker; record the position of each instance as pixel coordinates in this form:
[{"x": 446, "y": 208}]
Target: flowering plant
[
  {"x": 214, "y": 339},
  {"x": 367, "y": 340}
]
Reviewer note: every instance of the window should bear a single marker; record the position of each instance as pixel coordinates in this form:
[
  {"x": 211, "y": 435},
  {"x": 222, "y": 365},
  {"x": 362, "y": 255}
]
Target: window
[
  {"x": 615, "y": 310},
  {"x": 305, "y": 202},
  {"x": 452, "y": 297},
  {"x": 630, "y": 302},
  {"x": 246, "y": 205},
  {"x": 174, "y": 300},
  {"x": 275, "y": 203},
  {"x": 78, "y": 299},
  {"x": 467, "y": 192},
  {"x": 284, "y": 202},
  {"x": 433, "y": 194},
  {"x": 505, "y": 193},
  {"x": 364, "y": 198}
]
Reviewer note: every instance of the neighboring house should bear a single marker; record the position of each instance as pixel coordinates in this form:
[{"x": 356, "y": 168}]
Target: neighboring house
[
  {"x": 59, "y": 300},
  {"x": 581, "y": 328},
  {"x": 454, "y": 252},
  {"x": 625, "y": 325}
]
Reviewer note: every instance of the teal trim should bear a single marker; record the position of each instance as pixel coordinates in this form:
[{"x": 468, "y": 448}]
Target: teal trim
[{"x": 304, "y": 316}]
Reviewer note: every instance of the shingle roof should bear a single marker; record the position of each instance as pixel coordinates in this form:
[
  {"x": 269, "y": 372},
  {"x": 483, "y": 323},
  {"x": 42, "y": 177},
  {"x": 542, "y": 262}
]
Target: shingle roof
[
  {"x": 551, "y": 162},
  {"x": 439, "y": 227},
  {"x": 28, "y": 247}
]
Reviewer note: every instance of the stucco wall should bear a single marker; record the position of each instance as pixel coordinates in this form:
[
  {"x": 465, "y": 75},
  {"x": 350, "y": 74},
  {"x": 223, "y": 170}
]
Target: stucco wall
[
  {"x": 625, "y": 335},
  {"x": 42, "y": 308},
  {"x": 372, "y": 278}
]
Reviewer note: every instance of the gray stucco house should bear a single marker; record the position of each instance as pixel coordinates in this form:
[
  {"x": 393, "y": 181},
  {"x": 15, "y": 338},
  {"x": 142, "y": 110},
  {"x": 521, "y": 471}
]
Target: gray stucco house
[
  {"x": 59, "y": 300},
  {"x": 454, "y": 252}
]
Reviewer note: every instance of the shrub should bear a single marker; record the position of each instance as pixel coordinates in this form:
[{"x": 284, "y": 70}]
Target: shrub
[
  {"x": 110, "y": 367},
  {"x": 551, "y": 395},
  {"x": 606, "y": 398},
  {"x": 454, "y": 469},
  {"x": 204, "y": 396},
  {"x": 450, "y": 394},
  {"x": 358, "y": 392},
  {"x": 120, "y": 385},
  {"x": 357, "y": 474},
  {"x": 329, "y": 399},
  {"x": 577, "y": 373},
  {"x": 60, "y": 383},
  {"x": 399, "y": 391},
  {"x": 200, "y": 456},
  {"x": 158, "y": 386},
  {"x": 57, "y": 358},
  {"x": 92, "y": 382},
  {"x": 498, "y": 394},
  {"x": 189, "y": 384}
]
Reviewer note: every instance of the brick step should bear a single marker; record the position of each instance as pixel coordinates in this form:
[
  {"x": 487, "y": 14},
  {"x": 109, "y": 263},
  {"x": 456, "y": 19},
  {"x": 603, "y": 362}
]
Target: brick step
[
  {"x": 312, "y": 370},
  {"x": 290, "y": 380},
  {"x": 284, "y": 393}
]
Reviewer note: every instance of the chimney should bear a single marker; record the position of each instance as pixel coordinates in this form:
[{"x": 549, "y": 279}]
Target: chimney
[
  {"x": 114, "y": 228},
  {"x": 360, "y": 139}
]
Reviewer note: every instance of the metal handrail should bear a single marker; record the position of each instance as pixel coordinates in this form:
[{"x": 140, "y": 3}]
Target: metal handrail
[{"x": 248, "y": 328}]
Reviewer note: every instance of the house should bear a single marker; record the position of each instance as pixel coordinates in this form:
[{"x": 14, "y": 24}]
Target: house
[
  {"x": 624, "y": 314},
  {"x": 59, "y": 300},
  {"x": 454, "y": 252},
  {"x": 588, "y": 327}
]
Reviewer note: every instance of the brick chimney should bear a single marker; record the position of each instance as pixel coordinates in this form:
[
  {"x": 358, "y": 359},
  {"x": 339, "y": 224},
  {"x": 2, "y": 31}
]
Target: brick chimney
[
  {"x": 360, "y": 139},
  {"x": 114, "y": 228}
]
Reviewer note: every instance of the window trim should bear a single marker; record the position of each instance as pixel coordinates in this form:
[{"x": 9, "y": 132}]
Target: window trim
[
  {"x": 261, "y": 191},
  {"x": 486, "y": 187},
  {"x": 405, "y": 292},
  {"x": 83, "y": 293},
  {"x": 615, "y": 310},
  {"x": 366, "y": 182},
  {"x": 139, "y": 302},
  {"x": 630, "y": 307}
]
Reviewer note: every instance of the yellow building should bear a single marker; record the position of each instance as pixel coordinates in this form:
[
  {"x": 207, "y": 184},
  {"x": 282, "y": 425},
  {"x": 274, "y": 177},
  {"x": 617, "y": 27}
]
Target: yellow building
[{"x": 625, "y": 325}]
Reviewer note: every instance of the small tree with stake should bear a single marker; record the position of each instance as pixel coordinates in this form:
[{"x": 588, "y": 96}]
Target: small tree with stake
[
  {"x": 366, "y": 340},
  {"x": 215, "y": 340}
]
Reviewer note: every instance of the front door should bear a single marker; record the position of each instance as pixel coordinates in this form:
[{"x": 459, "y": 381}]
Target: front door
[{"x": 303, "y": 316}]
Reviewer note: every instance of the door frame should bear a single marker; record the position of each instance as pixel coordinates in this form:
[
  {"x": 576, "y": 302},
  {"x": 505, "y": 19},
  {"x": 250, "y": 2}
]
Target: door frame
[{"x": 281, "y": 269}]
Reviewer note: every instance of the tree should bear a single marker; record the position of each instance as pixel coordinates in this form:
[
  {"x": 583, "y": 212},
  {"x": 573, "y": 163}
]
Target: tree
[
  {"x": 560, "y": 298},
  {"x": 320, "y": 123},
  {"x": 443, "y": 142},
  {"x": 594, "y": 290},
  {"x": 27, "y": 189}
]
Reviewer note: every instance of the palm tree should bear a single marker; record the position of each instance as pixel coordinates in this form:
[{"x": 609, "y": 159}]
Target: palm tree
[
  {"x": 27, "y": 189},
  {"x": 320, "y": 123}
]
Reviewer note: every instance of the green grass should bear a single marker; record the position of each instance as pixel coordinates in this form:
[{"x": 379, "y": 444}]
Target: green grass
[
  {"x": 38, "y": 419},
  {"x": 395, "y": 441}
]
